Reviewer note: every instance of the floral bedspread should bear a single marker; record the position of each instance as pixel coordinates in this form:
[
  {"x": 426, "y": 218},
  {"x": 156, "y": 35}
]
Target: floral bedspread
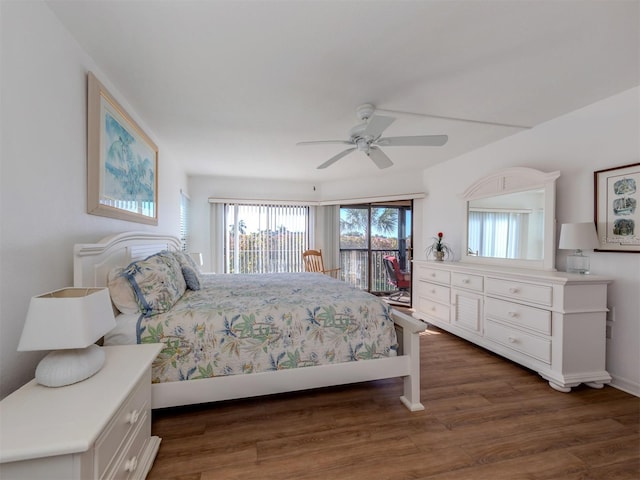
[{"x": 255, "y": 323}]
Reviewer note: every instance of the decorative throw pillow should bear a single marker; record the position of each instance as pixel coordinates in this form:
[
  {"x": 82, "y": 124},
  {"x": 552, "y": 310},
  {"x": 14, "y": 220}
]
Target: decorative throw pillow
[
  {"x": 157, "y": 282},
  {"x": 122, "y": 295},
  {"x": 190, "y": 270}
]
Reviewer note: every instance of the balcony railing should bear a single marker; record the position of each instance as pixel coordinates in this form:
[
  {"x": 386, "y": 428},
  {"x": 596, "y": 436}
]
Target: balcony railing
[{"x": 354, "y": 265}]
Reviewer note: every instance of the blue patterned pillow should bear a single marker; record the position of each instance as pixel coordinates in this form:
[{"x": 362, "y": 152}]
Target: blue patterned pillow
[
  {"x": 190, "y": 271},
  {"x": 157, "y": 282}
]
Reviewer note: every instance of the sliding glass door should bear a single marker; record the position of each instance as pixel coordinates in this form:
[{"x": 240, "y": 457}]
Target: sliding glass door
[{"x": 368, "y": 232}]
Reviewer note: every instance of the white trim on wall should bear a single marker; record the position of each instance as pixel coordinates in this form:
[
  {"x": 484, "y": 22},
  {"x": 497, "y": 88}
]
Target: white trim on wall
[{"x": 343, "y": 201}]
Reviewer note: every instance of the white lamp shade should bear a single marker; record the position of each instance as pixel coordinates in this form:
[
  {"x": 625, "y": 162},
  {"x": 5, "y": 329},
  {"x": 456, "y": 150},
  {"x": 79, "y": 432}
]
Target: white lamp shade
[
  {"x": 67, "y": 318},
  {"x": 578, "y": 236}
]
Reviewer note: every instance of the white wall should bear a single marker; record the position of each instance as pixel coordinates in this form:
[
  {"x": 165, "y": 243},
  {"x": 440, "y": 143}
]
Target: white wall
[
  {"x": 43, "y": 171},
  {"x": 603, "y": 135}
]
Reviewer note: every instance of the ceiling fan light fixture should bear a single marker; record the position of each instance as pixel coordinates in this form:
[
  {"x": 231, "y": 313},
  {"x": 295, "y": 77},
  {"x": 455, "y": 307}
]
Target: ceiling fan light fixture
[{"x": 362, "y": 145}]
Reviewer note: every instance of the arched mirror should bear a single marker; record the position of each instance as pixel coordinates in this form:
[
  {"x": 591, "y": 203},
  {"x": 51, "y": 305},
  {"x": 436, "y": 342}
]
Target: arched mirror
[{"x": 510, "y": 219}]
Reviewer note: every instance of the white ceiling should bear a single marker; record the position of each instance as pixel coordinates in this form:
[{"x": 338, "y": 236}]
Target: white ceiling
[{"x": 229, "y": 87}]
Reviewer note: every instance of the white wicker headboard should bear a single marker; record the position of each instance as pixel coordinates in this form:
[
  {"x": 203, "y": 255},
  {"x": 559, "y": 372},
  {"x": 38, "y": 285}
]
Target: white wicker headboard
[{"x": 93, "y": 261}]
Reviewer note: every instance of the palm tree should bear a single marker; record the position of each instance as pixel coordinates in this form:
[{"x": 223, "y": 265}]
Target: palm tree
[
  {"x": 385, "y": 220},
  {"x": 242, "y": 227},
  {"x": 357, "y": 220}
]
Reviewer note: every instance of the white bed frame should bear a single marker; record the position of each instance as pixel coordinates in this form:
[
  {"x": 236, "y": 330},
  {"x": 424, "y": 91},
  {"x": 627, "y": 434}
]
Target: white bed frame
[{"x": 92, "y": 263}]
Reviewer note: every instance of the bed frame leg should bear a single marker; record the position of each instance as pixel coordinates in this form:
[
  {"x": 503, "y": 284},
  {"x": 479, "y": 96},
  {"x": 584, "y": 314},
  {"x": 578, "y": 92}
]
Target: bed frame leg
[{"x": 411, "y": 346}]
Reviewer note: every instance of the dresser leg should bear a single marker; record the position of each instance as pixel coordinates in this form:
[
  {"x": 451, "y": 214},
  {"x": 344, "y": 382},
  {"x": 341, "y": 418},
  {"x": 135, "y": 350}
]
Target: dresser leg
[
  {"x": 559, "y": 388},
  {"x": 594, "y": 384}
]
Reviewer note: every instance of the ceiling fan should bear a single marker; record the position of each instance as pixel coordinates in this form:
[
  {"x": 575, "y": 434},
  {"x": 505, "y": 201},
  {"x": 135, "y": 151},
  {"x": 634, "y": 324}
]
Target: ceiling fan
[{"x": 366, "y": 137}]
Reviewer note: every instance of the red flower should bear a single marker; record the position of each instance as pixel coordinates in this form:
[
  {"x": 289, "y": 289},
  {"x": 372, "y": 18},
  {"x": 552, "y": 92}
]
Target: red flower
[{"x": 440, "y": 234}]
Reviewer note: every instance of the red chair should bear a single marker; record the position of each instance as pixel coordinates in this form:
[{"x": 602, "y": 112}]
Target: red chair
[{"x": 399, "y": 279}]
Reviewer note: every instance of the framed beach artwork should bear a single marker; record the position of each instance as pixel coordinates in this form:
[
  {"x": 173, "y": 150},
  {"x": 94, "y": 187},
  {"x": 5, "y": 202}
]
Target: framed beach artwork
[
  {"x": 617, "y": 216},
  {"x": 122, "y": 161}
]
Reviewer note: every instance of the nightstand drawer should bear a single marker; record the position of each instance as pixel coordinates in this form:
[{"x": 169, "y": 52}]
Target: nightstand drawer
[
  {"x": 531, "y": 345},
  {"x": 431, "y": 290},
  {"x": 519, "y": 315},
  {"x": 131, "y": 456},
  {"x": 122, "y": 425},
  {"x": 470, "y": 282},
  {"x": 529, "y": 292}
]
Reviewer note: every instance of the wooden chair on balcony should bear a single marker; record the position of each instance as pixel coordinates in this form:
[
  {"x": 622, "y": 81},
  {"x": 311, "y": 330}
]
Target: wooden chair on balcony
[{"x": 313, "y": 263}]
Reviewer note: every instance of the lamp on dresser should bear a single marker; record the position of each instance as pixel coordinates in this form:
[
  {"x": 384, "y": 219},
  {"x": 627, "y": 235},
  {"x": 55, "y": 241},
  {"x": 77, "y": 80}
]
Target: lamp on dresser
[
  {"x": 68, "y": 321},
  {"x": 578, "y": 237}
]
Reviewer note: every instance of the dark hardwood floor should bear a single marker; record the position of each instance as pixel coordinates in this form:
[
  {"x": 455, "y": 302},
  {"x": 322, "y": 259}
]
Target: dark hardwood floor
[{"x": 485, "y": 418}]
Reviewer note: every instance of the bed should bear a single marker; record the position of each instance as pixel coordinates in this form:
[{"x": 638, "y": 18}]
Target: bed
[{"x": 273, "y": 319}]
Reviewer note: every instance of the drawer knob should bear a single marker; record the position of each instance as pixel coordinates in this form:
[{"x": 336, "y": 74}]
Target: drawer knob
[
  {"x": 514, "y": 290},
  {"x": 513, "y": 314},
  {"x": 433, "y": 275},
  {"x": 465, "y": 280},
  {"x": 512, "y": 339},
  {"x": 133, "y": 417},
  {"x": 131, "y": 465},
  {"x": 433, "y": 290}
]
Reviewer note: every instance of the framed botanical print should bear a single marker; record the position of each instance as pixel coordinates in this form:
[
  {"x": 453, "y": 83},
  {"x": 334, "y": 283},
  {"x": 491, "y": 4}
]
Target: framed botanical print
[
  {"x": 617, "y": 216},
  {"x": 122, "y": 161}
]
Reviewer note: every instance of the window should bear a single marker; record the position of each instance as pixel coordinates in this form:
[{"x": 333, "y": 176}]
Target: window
[
  {"x": 265, "y": 238},
  {"x": 184, "y": 221},
  {"x": 501, "y": 234}
]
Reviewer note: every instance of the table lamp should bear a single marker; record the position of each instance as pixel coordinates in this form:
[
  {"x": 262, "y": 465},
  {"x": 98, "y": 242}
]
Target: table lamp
[
  {"x": 578, "y": 237},
  {"x": 68, "y": 321}
]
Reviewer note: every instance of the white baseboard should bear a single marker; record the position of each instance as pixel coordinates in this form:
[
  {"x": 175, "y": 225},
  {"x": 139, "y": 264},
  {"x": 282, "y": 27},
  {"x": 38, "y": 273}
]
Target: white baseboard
[{"x": 625, "y": 385}]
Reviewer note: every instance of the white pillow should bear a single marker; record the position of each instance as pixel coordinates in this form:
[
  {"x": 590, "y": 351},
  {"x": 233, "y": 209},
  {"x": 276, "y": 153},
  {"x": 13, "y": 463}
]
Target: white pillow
[{"x": 122, "y": 294}]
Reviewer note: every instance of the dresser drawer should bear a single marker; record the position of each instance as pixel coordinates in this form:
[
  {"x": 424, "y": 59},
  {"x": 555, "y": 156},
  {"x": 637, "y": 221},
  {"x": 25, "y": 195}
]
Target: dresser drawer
[
  {"x": 520, "y": 315},
  {"x": 122, "y": 425},
  {"x": 470, "y": 282},
  {"x": 433, "y": 309},
  {"x": 518, "y": 340},
  {"x": 529, "y": 292},
  {"x": 433, "y": 275},
  {"x": 433, "y": 291}
]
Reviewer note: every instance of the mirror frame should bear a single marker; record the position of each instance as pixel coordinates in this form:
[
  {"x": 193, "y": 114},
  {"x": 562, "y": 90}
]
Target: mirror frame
[{"x": 513, "y": 180}]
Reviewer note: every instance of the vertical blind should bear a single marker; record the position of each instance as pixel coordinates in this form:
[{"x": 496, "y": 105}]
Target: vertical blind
[
  {"x": 265, "y": 238},
  {"x": 184, "y": 221}
]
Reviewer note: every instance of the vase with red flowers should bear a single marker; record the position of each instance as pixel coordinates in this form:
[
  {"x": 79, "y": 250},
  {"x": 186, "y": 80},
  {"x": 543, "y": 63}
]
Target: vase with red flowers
[{"x": 439, "y": 249}]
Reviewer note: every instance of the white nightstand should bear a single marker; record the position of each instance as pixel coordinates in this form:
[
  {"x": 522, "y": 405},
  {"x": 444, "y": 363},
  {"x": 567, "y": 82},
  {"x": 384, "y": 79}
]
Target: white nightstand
[{"x": 99, "y": 428}]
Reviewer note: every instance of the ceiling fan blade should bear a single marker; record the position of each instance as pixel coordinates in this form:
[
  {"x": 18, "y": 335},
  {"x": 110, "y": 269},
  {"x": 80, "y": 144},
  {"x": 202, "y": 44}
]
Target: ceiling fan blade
[
  {"x": 379, "y": 157},
  {"x": 319, "y": 142},
  {"x": 414, "y": 141},
  {"x": 337, "y": 157},
  {"x": 376, "y": 125}
]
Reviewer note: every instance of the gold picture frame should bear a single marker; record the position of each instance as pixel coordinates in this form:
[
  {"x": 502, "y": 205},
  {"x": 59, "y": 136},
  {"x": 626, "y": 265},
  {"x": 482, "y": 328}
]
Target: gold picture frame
[
  {"x": 122, "y": 161},
  {"x": 617, "y": 208}
]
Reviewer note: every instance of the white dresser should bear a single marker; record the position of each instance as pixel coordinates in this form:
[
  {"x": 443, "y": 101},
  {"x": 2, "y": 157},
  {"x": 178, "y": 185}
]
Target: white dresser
[
  {"x": 551, "y": 322},
  {"x": 96, "y": 429}
]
